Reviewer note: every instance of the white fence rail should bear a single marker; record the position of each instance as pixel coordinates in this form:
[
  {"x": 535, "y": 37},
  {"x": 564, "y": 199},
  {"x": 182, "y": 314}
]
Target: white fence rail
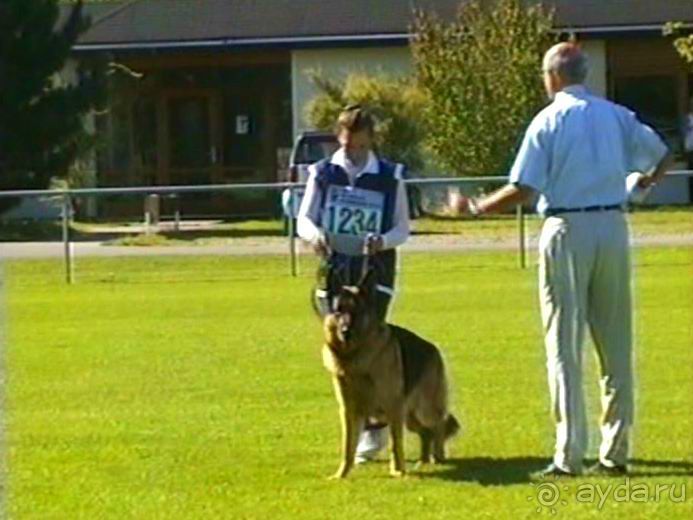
[{"x": 67, "y": 195}]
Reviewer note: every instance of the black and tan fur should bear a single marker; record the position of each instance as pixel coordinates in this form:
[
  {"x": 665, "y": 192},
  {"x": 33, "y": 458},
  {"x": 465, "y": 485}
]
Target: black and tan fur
[{"x": 386, "y": 372}]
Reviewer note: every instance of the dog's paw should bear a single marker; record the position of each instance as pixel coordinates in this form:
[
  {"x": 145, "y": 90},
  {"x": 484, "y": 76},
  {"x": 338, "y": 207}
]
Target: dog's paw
[
  {"x": 340, "y": 475},
  {"x": 398, "y": 473}
]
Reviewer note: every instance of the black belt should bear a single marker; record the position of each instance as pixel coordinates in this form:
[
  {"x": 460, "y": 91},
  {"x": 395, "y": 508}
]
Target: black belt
[{"x": 588, "y": 209}]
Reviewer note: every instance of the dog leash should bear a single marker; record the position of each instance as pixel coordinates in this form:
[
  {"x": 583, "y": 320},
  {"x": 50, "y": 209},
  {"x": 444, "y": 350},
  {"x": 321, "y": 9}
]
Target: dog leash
[{"x": 366, "y": 256}]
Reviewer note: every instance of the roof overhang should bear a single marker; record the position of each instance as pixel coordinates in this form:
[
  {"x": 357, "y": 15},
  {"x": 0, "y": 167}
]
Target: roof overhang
[
  {"x": 227, "y": 43},
  {"x": 345, "y": 40}
]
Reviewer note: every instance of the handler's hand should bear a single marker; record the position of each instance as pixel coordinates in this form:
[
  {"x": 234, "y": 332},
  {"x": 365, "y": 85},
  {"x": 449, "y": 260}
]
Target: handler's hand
[
  {"x": 374, "y": 244},
  {"x": 321, "y": 246}
]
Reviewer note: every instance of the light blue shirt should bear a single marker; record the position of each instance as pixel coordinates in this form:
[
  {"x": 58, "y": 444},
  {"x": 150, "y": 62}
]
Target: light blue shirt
[{"x": 578, "y": 151}]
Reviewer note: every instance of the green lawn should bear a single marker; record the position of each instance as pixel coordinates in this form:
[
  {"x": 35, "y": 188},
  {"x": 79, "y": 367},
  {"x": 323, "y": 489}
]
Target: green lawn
[
  {"x": 665, "y": 220},
  {"x": 669, "y": 220},
  {"x": 193, "y": 389}
]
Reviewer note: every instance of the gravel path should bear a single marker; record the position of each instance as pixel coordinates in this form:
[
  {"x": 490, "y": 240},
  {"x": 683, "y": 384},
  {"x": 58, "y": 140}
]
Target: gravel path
[{"x": 274, "y": 246}]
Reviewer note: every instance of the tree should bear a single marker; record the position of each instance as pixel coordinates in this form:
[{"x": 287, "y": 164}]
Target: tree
[
  {"x": 481, "y": 76},
  {"x": 683, "y": 41},
  {"x": 42, "y": 130},
  {"x": 396, "y": 104}
]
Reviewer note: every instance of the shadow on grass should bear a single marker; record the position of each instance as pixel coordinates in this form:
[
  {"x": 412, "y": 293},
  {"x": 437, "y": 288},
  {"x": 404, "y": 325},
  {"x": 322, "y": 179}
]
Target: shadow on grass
[
  {"x": 489, "y": 471},
  {"x": 427, "y": 232},
  {"x": 223, "y": 233},
  {"x": 661, "y": 468}
]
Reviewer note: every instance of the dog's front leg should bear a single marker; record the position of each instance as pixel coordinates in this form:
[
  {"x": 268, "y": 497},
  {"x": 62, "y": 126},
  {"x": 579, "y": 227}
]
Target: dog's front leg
[
  {"x": 352, "y": 424},
  {"x": 397, "y": 464}
]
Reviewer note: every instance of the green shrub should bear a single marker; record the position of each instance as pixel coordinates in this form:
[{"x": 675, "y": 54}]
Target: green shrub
[{"x": 397, "y": 105}]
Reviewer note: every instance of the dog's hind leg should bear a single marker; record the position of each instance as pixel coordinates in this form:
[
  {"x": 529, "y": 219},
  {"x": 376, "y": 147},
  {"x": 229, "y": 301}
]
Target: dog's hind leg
[
  {"x": 425, "y": 435},
  {"x": 439, "y": 443}
]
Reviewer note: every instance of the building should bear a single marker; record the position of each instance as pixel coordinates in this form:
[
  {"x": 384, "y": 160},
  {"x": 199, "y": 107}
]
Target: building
[{"x": 213, "y": 91}]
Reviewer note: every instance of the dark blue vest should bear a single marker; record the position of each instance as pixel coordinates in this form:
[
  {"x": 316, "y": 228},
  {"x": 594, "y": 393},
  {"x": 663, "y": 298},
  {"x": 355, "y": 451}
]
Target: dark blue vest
[{"x": 384, "y": 182}]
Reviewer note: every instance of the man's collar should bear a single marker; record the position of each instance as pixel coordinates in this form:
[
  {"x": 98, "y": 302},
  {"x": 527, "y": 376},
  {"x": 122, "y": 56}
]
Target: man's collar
[
  {"x": 575, "y": 90},
  {"x": 372, "y": 164}
]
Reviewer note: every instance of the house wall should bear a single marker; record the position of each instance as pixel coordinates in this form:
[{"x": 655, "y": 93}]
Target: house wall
[{"x": 597, "y": 78}]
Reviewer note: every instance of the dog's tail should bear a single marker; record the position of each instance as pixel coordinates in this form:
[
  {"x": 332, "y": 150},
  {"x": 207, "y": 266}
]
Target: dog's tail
[{"x": 452, "y": 426}]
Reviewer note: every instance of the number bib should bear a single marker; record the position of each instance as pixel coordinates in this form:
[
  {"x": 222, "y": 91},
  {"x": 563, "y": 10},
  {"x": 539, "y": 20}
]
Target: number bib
[{"x": 353, "y": 211}]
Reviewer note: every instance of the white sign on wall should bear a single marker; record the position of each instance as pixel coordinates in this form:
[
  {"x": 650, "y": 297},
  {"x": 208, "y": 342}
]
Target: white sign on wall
[{"x": 242, "y": 125}]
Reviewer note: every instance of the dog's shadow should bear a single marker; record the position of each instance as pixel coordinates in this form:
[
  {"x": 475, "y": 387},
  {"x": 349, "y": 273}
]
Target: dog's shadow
[
  {"x": 487, "y": 471},
  {"x": 490, "y": 471}
]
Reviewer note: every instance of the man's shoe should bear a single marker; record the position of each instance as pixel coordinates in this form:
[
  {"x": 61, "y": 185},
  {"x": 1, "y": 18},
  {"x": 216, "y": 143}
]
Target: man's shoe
[
  {"x": 602, "y": 470},
  {"x": 551, "y": 471},
  {"x": 371, "y": 442}
]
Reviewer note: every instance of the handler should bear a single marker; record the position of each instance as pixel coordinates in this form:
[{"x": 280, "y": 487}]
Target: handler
[{"x": 355, "y": 214}]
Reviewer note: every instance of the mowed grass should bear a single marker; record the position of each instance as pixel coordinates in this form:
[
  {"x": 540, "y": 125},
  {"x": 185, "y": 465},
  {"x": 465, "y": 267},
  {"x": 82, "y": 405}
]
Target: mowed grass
[
  {"x": 665, "y": 220},
  {"x": 171, "y": 388},
  {"x": 647, "y": 221}
]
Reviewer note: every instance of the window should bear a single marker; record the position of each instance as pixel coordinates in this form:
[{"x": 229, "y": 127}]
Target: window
[{"x": 653, "y": 99}]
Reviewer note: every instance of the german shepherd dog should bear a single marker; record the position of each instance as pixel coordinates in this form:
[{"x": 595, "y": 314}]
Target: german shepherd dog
[{"x": 385, "y": 372}]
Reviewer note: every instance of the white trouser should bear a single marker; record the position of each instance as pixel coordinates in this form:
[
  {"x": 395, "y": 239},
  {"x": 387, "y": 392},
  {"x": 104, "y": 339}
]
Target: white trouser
[{"x": 584, "y": 279}]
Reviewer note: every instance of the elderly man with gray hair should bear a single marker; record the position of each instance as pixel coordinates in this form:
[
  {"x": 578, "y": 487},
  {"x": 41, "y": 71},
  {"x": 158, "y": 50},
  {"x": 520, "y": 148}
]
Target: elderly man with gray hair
[{"x": 576, "y": 154}]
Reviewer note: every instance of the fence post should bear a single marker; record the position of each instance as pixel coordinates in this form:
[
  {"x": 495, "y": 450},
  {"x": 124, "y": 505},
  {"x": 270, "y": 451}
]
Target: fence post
[
  {"x": 67, "y": 246},
  {"x": 292, "y": 233},
  {"x": 522, "y": 252}
]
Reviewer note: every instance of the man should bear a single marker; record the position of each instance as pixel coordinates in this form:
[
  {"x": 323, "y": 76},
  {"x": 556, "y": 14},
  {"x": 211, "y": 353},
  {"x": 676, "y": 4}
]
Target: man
[
  {"x": 355, "y": 214},
  {"x": 576, "y": 154}
]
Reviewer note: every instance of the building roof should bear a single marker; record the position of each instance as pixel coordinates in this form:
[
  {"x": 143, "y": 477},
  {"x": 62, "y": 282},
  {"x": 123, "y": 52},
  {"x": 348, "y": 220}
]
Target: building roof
[{"x": 228, "y": 23}]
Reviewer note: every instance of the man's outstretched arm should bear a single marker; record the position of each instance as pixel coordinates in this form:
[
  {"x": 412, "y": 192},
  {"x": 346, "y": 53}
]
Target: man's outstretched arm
[{"x": 500, "y": 200}]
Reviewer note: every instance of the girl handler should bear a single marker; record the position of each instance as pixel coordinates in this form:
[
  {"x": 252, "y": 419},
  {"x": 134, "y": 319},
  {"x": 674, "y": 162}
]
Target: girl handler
[{"x": 355, "y": 213}]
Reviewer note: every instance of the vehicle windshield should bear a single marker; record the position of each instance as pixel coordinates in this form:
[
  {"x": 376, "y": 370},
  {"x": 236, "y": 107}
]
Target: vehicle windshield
[{"x": 314, "y": 149}]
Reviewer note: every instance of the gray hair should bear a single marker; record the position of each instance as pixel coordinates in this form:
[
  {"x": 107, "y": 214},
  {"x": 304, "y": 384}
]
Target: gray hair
[{"x": 568, "y": 61}]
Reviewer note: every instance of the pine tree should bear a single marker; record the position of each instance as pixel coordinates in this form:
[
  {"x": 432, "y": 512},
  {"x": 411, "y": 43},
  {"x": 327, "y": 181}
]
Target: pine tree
[{"x": 42, "y": 115}]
